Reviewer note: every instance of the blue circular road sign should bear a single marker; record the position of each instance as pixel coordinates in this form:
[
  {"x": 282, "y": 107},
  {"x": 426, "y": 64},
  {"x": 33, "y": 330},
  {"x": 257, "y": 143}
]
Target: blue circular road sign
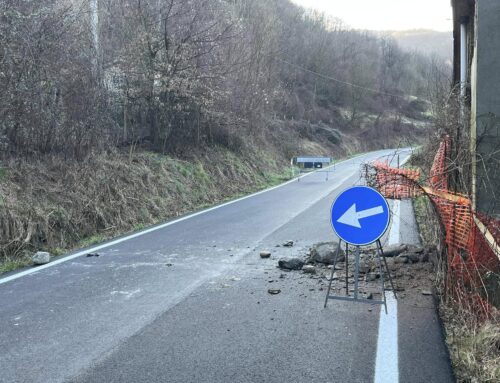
[{"x": 360, "y": 215}]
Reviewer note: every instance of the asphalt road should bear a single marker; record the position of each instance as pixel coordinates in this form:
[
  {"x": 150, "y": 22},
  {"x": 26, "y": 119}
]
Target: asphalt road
[{"x": 188, "y": 302}]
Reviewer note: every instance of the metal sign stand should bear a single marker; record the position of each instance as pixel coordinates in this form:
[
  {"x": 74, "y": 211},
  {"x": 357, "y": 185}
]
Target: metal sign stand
[
  {"x": 355, "y": 297},
  {"x": 316, "y": 165}
]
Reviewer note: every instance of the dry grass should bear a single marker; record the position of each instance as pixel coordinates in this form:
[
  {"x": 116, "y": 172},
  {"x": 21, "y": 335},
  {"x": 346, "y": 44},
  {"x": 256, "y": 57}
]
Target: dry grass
[{"x": 474, "y": 346}]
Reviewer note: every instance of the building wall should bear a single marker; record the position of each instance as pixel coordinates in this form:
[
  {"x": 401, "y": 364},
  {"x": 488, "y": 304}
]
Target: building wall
[
  {"x": 486, "y": 106},
  {"x": 463, "y": 12}
]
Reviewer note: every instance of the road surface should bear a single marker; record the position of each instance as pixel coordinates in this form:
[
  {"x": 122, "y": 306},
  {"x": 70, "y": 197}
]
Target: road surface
[{"x": 187, "y": 302}]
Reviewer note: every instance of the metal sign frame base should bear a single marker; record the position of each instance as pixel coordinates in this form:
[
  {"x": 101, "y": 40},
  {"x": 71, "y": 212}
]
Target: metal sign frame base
[
  {"x": 317, "y": 171},
  {"x": 382, "y": 264}
]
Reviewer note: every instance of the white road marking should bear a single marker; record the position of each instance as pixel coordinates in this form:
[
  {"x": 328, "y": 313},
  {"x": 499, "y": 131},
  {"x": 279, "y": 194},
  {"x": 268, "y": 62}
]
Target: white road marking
[
  {"x": 386, "y": 362},
  {"x": 155, "y": 228},
  {"x": 395, "y": 233}
]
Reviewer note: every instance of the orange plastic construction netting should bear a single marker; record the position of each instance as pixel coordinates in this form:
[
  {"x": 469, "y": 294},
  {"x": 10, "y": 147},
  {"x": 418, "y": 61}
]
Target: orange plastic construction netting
[{"x": 471, "y": 239}]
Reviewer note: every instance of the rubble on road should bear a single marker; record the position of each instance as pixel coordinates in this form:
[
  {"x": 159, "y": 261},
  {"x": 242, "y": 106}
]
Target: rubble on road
[
  {"x": 409, "y": 265},
  {"x": 370, "y": 277},
  {"x": 394, "y": 250},
  {"x": 324, "y": 252},
  {"x": 309, "y": 269},
  {"x": 401, "y": 259},
  {"x": 265, "y": 254},
  {"x": 291, "y": 264}
]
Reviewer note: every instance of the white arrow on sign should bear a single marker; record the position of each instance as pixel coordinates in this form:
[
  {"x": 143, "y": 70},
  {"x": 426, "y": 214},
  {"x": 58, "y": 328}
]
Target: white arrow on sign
[{"x": 351, "y": 217}]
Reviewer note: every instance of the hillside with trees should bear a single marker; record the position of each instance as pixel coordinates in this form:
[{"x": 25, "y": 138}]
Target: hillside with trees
[
  {"x": 431, "y": 43},
  {"x": 120, "y": 113}
]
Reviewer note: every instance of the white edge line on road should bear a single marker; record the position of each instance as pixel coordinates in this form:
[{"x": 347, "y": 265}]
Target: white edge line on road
[
  {"x": 387, "y": 359},
  {"x": 394, "y": 234},
  {"x": 154, "y": 228},
  {"x": 386, "y": 363}
]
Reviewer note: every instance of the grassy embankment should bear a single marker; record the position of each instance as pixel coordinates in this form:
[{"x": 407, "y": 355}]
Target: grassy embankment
[{"x": 57, "y": 206}]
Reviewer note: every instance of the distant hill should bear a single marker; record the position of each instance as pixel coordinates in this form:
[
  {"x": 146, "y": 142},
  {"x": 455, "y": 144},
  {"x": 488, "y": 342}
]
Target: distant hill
[{"x": 425, "y": 41}]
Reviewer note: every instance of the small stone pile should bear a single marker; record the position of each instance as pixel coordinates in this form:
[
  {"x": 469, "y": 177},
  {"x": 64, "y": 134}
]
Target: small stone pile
[{"x": 321, "y": 256}]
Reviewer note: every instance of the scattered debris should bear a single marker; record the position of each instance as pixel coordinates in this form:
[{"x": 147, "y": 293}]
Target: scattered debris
[
  {"x": 415, "y": 249},
  {"x": 406, "y": 263},
  {"x": 309, "y": 269},
  {"x": 265, "y": 254},
  {"x": 391, "y": 264},
  {"x": 41, "y": 258},
  {"x": 334, "y": 278},
  {"x": 395, "y": 250},
  {"x": 401, "y": 259},
  {"x": 324, "y": 252},
  {"x": 413, "y": 257},
  {"x": 365, "y": 266},
  {"x": 291, "y": 264},
  {"x": 370, "y": 277}
]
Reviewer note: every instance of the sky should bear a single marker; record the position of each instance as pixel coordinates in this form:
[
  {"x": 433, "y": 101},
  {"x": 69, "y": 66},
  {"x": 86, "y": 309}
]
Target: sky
[{"x": 387, "y": 14}]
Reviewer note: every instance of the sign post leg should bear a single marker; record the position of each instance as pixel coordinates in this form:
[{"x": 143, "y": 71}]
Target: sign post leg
[
  {"x": 347, "y": 269},
  {"x": 333, "y": 271},
  {"x": 356, "y": 272},
  {"x": 382, "y": 282},
  {"x": 387, "y": 268}
]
